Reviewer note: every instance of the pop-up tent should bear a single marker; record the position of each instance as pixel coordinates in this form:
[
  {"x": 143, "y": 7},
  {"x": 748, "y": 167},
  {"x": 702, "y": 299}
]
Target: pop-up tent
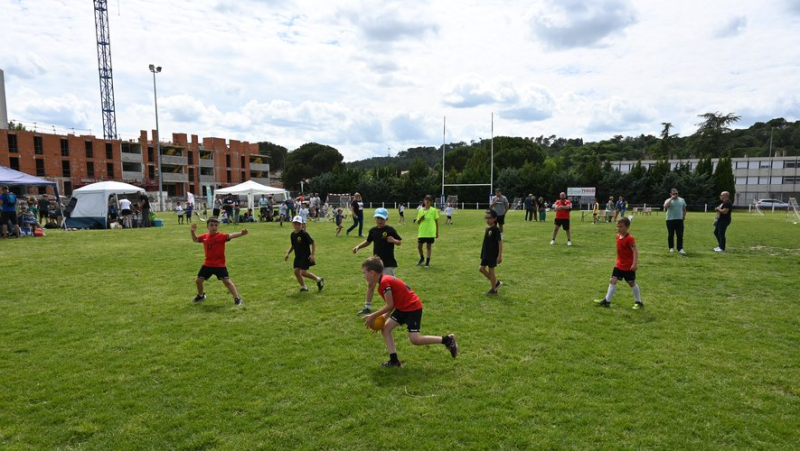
[
  {"x": 11, "y": 177},
  {"x": 251, "y": 189},
  {"x": 90, "y": 203}
]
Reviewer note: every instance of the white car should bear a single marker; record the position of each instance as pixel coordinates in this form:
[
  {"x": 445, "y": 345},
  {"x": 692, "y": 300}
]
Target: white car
[{"x": 769, "y": 203}]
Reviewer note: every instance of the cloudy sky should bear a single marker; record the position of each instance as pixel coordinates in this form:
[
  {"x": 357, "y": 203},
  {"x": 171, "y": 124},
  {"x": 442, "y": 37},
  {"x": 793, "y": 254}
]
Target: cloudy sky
[{"x": 373, "y": 77}]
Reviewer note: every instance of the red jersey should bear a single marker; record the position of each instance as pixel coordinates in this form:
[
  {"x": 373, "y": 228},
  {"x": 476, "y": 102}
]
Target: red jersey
[
  {"x": 214, "y": 246},
  {"x": 625, "y": 247},
  {"x": 404, "y": 297},
  {"x": 562, "y": 214}
]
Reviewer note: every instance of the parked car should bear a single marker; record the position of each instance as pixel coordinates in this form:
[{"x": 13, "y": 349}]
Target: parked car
[{"x": 769, "y": 203}]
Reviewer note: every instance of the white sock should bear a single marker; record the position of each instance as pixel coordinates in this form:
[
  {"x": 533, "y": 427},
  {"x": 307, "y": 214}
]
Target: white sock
[
  {"x": 610, "y": 294},
  {"x": 636, "y": 294}
]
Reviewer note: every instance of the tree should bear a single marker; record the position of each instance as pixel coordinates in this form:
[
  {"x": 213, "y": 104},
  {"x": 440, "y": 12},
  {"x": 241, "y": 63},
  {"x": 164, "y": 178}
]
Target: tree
[
  {"x": 711, "y": 136},
  {"x": 723, "y": 176},
  {"x": 666, "y": 144},
  {"x": 307, "y": 161},
  {"x": 16, "y": 126},
  {"x": 276, "y": 154},
  {"x": 705, "y": 167}
]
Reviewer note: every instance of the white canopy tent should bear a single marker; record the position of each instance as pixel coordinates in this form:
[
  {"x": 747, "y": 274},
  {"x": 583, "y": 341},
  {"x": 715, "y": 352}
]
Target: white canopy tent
[
  {"x": 89, "y": 205},
  {"x": 252, "y": 189}
]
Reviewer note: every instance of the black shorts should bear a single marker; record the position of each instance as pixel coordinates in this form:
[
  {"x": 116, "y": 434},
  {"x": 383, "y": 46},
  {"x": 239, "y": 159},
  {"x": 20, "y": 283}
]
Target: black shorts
[
  {"x": 426, "y": 240},
  {"x": 490, "y": 262},
  {"x": 126, "y": 212},
  {"x": 412, "y": 319},
  {"x": 628, "y": 276},
  {"x": 402, "y": 213},
  {"x": 563, "y": 223},
  {"x": 302, "y": 262},
  {"x": 207, "y": 271},
  {"x": 501, "y": 219},
  {"x": 7, "y": 216}
]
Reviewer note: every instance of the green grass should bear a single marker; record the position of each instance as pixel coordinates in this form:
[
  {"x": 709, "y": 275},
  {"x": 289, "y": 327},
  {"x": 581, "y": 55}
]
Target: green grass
[{"x": 100, "y": 346}]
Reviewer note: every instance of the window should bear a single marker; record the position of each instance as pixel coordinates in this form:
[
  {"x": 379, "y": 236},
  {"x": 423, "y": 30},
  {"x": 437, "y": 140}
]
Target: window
[
  {"x": 777, "y": 164},
  {"x": 14, "y": 162},
  {"x": 228, "y": 161},
  {"x": 38, "y": 149},
  {"x": 242, "y": 162},
  {"x": 12, "y": 143},
  {"x": 764, "y": 164},
  {"x": 191, "y": 188},
  {"x": 191, "y": 173},
  {"x": 228, "y": 176},
  {"x": 741, "y": 180},
  {"x": 741, "y": 165},
  {"x": 109, "y": 151},
  {"x": 753, "y": 165},
  {"x": 752, "y": 180},
  {"x": 191, "y": 157},
  {"x": 40, "y": 168},
  {"x": 791, "y": 164},
  {"x": 64, "y": 148},
  {"x": 150, "y": 154},
  {"x": 791, "y": 180},
  {"x": 110, "y": 170},
  {"x": 777, "y": 180},
  {"x": 65, "y": 171},
  {"x": 90, "y": 170},
  {"x": 89, "y": 150},
  {"x": 151, "y": 172},
  {"x": 763, "y": 180},
  {"x": 68, "y": 188}
]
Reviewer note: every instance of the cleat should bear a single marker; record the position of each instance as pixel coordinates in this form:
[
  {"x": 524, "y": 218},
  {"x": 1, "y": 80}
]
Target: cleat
[
  {"x": 602, "y": 303},
  {"x": 671, "y": 250},
  {"x": 569, "y": 243},
  {"x": 391, "y": 364},
  {"x": 364, "y": 311},
  {"x": 638, "y": 306},
  {"x": 453, "y": 347},
  {"x": 427, "y": 266},
  {"x": 320, "y": 284},
  {"x": 682, "y": 252},
  {"x": 498, "y": 285},
  {"x": 199, "y": 298},
  {"x": 490, "y": 292},
  {"x": 552, "y": 242},
  {"x": 237, "y": 301},
  {"x": 303, "y": 289},
  {"x": 420, "y": 262}
]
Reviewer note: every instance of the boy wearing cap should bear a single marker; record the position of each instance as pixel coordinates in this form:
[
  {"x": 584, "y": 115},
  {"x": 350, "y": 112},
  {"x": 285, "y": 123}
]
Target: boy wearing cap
[
  {"x": 385, "y": 238},
  {"x": 304, "y": 250},
  {"x": 562, "y": 207}
]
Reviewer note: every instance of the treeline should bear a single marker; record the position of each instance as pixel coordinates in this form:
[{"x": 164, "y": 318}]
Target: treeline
[{"x": 545, "y": 166}]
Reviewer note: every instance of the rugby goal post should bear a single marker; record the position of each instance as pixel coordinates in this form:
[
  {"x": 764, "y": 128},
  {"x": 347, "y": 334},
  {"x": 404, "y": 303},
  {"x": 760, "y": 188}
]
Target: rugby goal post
[{"x": 793, "y": 213}]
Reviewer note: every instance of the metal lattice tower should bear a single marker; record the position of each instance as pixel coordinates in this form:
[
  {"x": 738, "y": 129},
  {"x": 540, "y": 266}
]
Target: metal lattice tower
[{"x": 104, "y": 68}]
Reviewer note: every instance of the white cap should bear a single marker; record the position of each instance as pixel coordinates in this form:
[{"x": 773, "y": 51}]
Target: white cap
[{"x": 298, "y": 219}]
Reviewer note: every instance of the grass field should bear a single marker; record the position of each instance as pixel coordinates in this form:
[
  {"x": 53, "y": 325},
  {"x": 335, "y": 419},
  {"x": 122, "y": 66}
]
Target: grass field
[{"x": 101, "y": 347}]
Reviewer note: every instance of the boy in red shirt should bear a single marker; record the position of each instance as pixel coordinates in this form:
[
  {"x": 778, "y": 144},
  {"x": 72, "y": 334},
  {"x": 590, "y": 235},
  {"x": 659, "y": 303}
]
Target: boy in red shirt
[
  {"x": 562, "y": 207},
  {"x": 214, "y": 265},
  {"x": 625, "y": 268},
  {"x": 405, "y": 307}
]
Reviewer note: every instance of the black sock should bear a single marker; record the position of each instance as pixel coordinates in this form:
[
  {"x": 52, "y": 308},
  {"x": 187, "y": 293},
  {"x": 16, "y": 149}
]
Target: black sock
[
  {"x": 446, "y": 340},
  {"x": 427, "y": 261},
  {"x": 393, "y": 357}
]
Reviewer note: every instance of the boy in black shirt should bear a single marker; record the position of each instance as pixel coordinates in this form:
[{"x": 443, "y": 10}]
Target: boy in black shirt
[
  {"x": 492, "y": 251},
  {"x": 385, "y": 238},
  {"x": 304, "y": 250}
]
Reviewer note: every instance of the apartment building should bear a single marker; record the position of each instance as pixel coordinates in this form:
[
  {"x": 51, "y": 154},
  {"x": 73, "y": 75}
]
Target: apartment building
[
  {"x": 187, "y": 163},
  {"x": 776, "y": 177}
]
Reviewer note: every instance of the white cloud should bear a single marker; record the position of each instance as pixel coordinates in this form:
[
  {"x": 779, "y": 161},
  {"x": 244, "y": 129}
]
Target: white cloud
[
  {"x": 732, "y": 27},
  {"x": 565, "y": 24}
]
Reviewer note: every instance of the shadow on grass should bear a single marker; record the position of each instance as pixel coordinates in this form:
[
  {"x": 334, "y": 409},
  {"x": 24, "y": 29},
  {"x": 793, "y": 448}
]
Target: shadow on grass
[{"x": 409, "y": 375}]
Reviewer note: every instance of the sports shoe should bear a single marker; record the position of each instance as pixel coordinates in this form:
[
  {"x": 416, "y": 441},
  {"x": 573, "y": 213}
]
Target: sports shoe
[
  {"x": 638, "y": 306},
  {"x": 199, "y": 298},
  {"x": 237, "y": 301},
  {"x": 364, "y": 311},
  {"x": 498, "y": 285},
  {"x": 427, "y": 266},
  {"x": 552, "y": 242},
  {"x": 602, "y": 303},
  {"x": 716, "y": 249},
  {"x": 682, "y": 252},
  {"x": 453, "y": 346},
  {"x": 320, "y": 284},
  {"x": 569, "y": 243},
  {"x": 302, "y": 289},
  {"x": 391, "y": 364},
  {"x": 420, "y": 262},
  {"x": 671, "y": 250},
  {"x": 490, "y": 292}
]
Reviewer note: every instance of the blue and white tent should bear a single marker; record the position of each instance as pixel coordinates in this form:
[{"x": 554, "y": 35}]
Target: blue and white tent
[
  {"x": 12, "y": 177},
  {"x": 90, "y": 210}
]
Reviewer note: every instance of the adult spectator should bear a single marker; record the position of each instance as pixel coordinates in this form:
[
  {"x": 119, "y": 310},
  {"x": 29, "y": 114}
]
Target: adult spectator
[
  {"x": 56, "y": 216},
  {"x": 262, "y": 204},
  {"x": 500, "y": 205},
  {"x": 723, "y": 220},
  {"x": 144, "y": 204},
  {"x": 542, "y": 207},
  {"x": 289, "y": 208},
  {"x": 270, "y": 207},
  {"x": 675, "y": 207},
  {"x": 530, "y": 202},
  {"x": 8, "y": 212},
  {"x": 126, "y": 211},
  {"x": 27, "y": 220},
  {"x": 357, "y": 209},
  {"x": 227, "y": 205},
  {"x": 562, "y": 207},
  {"x": 217, "y": 208}
]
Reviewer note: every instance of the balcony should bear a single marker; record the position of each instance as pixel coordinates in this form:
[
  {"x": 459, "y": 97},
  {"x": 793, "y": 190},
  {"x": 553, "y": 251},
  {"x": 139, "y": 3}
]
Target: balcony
[
  {"x": 131, "y": 157},
  {"x": 206, "y": 163},
  {"x": 174, "y": 160},
  {"x": 262, "y": 181},
  {"x": 132, "y": 175},
  {"x": 207, "y": 179},
  {"x": 175, "y": 177},
  {"x": 260, "y": 167}
]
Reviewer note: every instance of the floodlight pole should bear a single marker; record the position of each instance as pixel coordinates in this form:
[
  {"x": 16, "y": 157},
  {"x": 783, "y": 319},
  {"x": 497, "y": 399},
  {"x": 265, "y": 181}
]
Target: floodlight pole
[
  {"x": 156, "y": 70},
  {"x": 444, "y": 134},
  {"x": 491, "y": 172}
]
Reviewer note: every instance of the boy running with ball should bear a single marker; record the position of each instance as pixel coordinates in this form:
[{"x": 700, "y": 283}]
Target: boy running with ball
[
  {"x": 625, "y": 268},
  {"x": 403, "y": 306},
  {"x": 214, "y": 265}
]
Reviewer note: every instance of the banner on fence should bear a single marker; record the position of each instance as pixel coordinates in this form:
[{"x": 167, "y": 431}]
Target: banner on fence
[{"x": 581, "y": 192}]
